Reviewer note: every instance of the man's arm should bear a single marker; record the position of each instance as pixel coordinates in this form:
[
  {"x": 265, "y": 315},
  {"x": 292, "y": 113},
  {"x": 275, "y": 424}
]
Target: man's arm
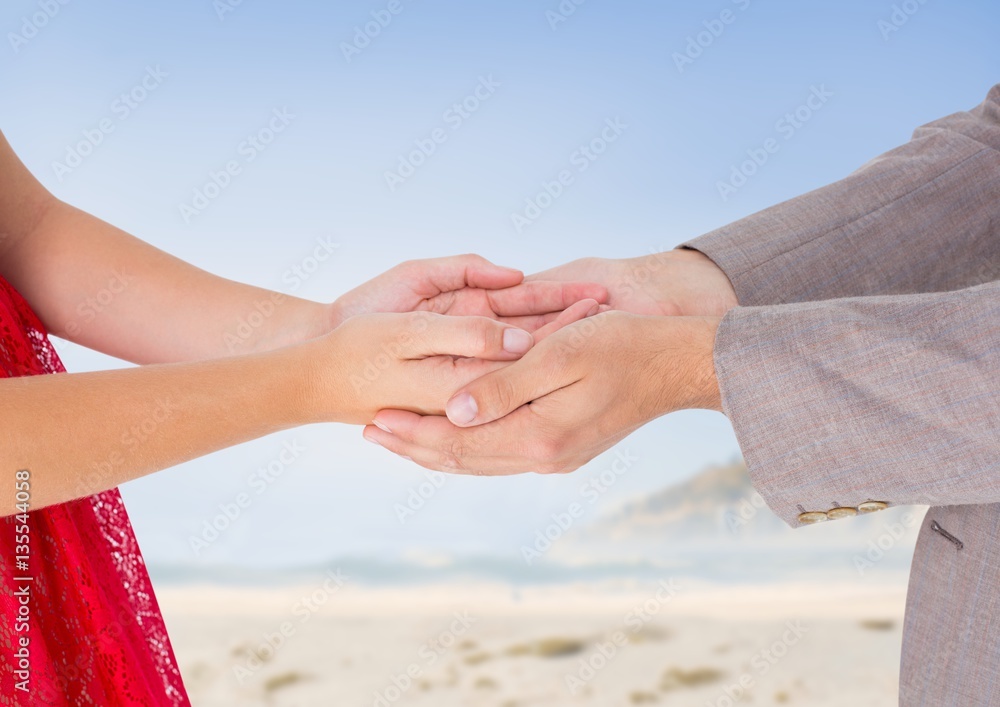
[
  {"x": 924, "y": 217},
  {"x": 883, "y": 400},
  {"x": 893, "y": 399}
]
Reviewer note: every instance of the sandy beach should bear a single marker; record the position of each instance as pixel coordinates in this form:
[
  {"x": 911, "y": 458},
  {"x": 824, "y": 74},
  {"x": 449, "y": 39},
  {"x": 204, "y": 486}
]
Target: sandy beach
[{"x": 672, "y": 643}]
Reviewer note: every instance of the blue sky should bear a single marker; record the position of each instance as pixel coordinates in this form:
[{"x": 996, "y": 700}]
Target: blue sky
[{"x": 351, "y": 119}]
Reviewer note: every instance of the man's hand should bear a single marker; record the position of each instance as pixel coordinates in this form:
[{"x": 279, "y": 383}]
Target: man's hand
[
  {"x": 466, "y": 285},
  {"x": 675, "y": 282},
  {"x": 570, "y": 398}
]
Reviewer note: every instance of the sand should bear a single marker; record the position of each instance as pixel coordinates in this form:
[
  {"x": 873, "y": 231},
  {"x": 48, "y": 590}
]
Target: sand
[{"x": 335, "y": 643}]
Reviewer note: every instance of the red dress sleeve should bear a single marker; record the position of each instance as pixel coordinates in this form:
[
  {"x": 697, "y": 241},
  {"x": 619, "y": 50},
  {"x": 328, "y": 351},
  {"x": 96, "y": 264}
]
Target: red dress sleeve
[{"x": 79, "y": 623}]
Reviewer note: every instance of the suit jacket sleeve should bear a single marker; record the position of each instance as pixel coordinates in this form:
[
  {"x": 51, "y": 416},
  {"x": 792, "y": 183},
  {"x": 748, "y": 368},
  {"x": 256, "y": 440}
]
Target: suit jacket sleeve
[
  {"x": 890, "y": 398},
  {"x": 924, "y": 217}
]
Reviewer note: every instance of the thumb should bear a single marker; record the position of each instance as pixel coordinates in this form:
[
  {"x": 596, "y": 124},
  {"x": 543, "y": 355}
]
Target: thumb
[
  {"x": 500, "y": 393},
  {"x": 460, "y": 271}
]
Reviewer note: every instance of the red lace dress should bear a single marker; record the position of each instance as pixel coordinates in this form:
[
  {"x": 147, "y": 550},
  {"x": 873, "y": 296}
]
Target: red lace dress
[{"x": 94, "y": 631}]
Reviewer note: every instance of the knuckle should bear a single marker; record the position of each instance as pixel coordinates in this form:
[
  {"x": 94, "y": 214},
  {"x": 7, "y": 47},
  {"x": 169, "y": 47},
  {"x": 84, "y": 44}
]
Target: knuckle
[
  {"x": 502, "y": 395},
  {"x": 547, "y": 451},
  {"x": 486, "y": 338},
  {"x": 455, "y": 449}
]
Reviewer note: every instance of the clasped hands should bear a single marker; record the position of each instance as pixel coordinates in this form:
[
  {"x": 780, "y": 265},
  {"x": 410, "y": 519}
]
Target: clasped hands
[{"x": 539, "y": 374}]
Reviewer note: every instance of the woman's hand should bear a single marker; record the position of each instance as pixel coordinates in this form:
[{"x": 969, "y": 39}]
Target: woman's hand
[
  {"x": 414, "y": 361},
  {"x": 466, "y": 285}
]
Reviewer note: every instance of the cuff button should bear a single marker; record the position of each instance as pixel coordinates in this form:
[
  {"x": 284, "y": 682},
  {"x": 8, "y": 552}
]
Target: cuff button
[
  {"x": 872, "y": 506},
  {"x": 811, "y": 517},
  {"x": 844, "y": 512}
]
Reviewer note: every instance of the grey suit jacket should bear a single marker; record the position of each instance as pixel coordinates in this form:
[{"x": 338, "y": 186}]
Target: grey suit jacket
[{"x": 863, "y": 365}]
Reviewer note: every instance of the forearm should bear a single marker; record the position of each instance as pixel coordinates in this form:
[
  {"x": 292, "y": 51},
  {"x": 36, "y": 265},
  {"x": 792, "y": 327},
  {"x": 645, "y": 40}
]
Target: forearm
[
  {"x": 99, "y": 287},
  {"x": 891, "y": 399},
  {"x": 79, "y": 434}
]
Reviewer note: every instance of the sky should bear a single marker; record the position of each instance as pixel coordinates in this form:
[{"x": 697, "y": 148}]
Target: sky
[{"x": 693, "y": 89}]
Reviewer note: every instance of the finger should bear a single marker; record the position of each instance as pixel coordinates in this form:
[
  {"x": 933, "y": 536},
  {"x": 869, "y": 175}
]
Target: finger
[
  {"x": 534, "y": 322},
  {"x": 435, "y": 443},
  {"x": 429, "y": 278},
  {"x": 580, "y": 310},
  {"x": 472, "y": 337},
  {"x": 543, "y": 297},
  {"x": 501, "y": 392},
  {"x": 438, "y": 434},
  {"x": 531, "y": 322},
  {"x": 431, "y": 459}
]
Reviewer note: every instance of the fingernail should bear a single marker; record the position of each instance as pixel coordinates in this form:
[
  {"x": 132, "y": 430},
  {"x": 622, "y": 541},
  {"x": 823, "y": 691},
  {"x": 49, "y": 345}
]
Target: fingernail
[
  {"x": 462, "y": 409},
  {"x": 594, "y": 310},
  {"x": 517, "y": 341},
  {"x": 409, "y": 459},
  {"x": 372, "y": 440},
  {"x": 381, "y": 426}
]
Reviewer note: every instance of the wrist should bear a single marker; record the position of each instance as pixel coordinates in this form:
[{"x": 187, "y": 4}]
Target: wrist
[
  {"x": 705, "y": 393},
  {"x": 685, "y": 348},
  {"x": 724, "y": 294},
  {"x": 317, "y": 369},
  {"x": 334, "y": 315}
]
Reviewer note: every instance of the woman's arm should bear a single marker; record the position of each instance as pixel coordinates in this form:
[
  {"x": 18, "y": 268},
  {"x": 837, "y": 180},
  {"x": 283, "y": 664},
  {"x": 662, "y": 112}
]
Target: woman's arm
[
  {"x": 99, "y": 287},
  {"x": 78, "y": 434}
]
